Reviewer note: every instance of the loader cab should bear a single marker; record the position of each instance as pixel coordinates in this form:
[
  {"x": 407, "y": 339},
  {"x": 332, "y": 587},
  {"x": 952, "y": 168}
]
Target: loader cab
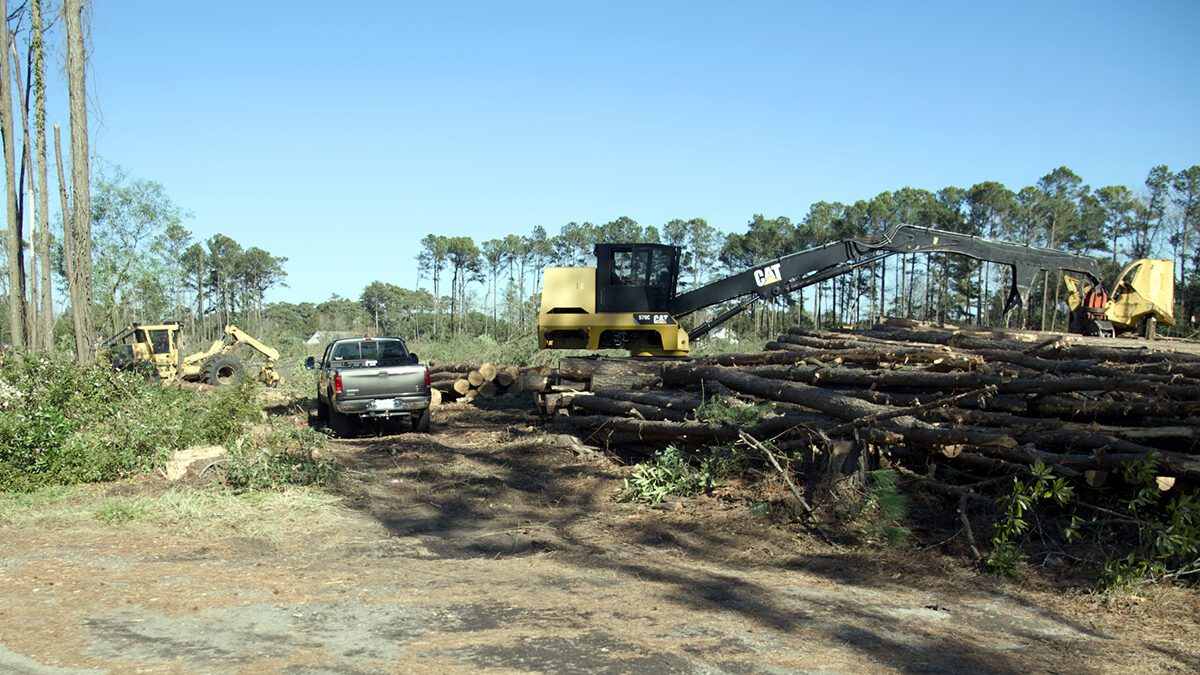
[
  {"x": 635, "y": 277},
  {"x": 1144, "y": 296},
  {"x": 161, "y": 344},
  {"x": 159, "y": 339},
  {"x": 623, "y": 302},
  {"x": 153, "y": 344}
]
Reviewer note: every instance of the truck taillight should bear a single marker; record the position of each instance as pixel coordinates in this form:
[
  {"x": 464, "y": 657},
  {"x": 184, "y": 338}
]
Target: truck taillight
[
  {"x": 427, "y": 380},
  {"x": 337, "y": 384}
]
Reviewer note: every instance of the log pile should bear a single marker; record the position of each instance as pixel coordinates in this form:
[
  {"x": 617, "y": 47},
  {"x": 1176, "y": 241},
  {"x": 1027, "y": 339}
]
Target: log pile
[
  {"x": 465, "y": 382},
  {"x": 953, "y": 409}
]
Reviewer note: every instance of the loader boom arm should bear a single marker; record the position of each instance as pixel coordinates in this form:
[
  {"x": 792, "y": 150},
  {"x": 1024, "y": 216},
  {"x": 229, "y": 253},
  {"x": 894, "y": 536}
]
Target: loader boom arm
[{"x": 804, "y": 268}]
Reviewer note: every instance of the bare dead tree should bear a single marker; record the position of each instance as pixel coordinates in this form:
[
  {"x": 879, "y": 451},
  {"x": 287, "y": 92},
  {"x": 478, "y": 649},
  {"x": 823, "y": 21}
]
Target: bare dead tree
[
  {"x": 81, "y": 228},
  {"x": 38, "y": 49},
  {"x": 25, "y": 201},
  {"x": 68, "y": 236},
  {"x": 16, "y": 260}
]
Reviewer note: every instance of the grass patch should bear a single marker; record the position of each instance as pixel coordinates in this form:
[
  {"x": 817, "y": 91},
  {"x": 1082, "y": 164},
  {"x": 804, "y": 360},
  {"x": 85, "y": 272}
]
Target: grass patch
[{"x": 277, "y": 516}]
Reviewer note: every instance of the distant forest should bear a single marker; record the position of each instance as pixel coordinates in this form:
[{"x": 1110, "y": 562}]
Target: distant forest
[{"x": 148, "y": 268}]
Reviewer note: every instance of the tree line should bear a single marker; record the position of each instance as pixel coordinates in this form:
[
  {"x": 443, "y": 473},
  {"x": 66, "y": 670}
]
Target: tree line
[
  {"x": 492, "y": 286},
  {"x": 147, "y": 267},
  {"x": 117, "y": 250}
]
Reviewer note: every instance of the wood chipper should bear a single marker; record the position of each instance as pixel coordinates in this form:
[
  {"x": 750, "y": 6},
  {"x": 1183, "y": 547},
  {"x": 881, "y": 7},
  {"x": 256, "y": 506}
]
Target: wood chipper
[{"x": 143, "y": 345}]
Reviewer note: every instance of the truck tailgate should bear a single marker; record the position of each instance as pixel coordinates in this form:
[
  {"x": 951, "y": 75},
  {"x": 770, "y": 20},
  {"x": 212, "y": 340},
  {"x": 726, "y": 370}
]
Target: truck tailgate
[{"x": 382, "y": 382}]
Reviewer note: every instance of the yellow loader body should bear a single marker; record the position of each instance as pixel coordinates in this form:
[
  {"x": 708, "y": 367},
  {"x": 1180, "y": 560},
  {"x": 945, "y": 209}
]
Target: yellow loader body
[{"x": 568, "y": 319}]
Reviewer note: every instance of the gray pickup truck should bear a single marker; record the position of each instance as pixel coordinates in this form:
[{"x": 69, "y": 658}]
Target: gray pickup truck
[{"x": 370, "y": 377}]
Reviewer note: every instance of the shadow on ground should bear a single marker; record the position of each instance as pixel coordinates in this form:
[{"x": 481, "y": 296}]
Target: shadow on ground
[{"x": 488, "y": 485}]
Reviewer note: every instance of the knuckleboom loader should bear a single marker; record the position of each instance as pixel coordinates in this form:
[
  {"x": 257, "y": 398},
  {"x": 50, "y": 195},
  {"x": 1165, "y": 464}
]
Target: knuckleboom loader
[
  {"x": 628, "y": 300},
  {"x": 143, "y": 345}
]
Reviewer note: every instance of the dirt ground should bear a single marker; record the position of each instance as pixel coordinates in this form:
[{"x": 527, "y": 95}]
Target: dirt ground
[{"x": 484, "y": 547}]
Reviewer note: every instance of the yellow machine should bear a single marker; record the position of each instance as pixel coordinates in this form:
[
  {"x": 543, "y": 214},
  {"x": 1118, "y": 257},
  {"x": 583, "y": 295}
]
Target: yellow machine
[
  {"x": 569, "y": 318},
  {"x": 157, "y": 345},
  {"x": 628, "y": 300},
  {"x": 1143, "y": 297}
]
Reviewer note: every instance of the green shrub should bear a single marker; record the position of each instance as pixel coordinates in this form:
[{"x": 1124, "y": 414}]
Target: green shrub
[
  {"x": 890, "y": 506},
  {"x": 62, "y": 423},
  {"x": 733, "y": 411},
  {"x": 669, "y": 472},
  {"x": 1015, "y": 505},
  {"x": 877, "y": 506},
  {"x": 286, "y": 457},
  {"x": 672, "y": 472},
  {"x": 224, "y": 419},
  {"x": 1167, "y": 531},
  {"x": 1142, "y": 535}
]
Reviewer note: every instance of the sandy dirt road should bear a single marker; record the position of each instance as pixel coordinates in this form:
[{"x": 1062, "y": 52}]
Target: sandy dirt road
[{"x": 482, "y": 547}]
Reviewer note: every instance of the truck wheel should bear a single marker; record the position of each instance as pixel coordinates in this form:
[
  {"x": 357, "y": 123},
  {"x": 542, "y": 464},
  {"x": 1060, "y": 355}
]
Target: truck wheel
[
  {"x": 322, "y": 409},
  {"x": 223, "y": 371},
  {"x": 1150, "y": 328},
  {"x": 421, "y": 421},
  {"x": 339, "y": 422}
]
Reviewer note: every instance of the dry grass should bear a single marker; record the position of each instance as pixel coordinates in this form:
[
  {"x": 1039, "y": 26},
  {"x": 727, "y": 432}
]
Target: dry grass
[{"x": 212, "y": 511}]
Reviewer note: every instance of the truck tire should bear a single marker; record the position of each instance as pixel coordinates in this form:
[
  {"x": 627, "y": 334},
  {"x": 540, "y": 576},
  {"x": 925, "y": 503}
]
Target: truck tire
[
  {"x": 421, "y": 421},
  {"x": 322, "y": 409},
  {"x": 339, "y": 422},
  {"x": 223, "y": 371}
]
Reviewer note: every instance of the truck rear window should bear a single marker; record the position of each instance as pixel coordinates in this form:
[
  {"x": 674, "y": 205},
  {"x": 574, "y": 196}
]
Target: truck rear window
[{"x": 375, "y": 350}]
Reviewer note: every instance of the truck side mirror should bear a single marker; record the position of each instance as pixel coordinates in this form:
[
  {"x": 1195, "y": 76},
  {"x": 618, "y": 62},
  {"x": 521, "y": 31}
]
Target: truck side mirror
[
  {"x": 414, "y": 357},
  {"x": 310, "y": 363}
]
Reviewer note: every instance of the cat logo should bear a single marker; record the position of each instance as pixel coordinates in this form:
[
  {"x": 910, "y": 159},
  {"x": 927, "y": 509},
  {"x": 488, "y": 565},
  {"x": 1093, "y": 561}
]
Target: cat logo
[{"x": 768, "y": 275}]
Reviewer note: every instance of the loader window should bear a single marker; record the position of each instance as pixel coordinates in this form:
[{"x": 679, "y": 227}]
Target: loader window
[
  {"x": 622, "y": 270},
  {"x": 635, "y": 277},
  {"x": 660, "y": 268},
  {"x": 1125, "y": 282},
  {"x": 641, "y": 267},
  {"x": 160, "y": 341}
]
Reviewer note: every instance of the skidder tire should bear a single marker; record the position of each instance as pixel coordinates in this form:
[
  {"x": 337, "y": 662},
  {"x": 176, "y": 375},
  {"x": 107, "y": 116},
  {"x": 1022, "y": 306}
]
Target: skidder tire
[
  {"x": 223, "y": 371},
  {"x": 421, "y": 421}
]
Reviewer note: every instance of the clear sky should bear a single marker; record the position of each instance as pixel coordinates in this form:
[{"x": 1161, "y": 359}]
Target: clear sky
[{"x": 339, "y": 134}]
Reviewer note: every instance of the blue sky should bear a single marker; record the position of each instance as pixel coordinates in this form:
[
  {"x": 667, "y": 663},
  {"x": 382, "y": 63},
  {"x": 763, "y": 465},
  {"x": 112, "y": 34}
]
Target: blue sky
[{"x": 338, "y": 138}]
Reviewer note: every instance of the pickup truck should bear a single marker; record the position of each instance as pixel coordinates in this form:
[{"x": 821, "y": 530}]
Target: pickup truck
[{"x": 370, "y": 377}]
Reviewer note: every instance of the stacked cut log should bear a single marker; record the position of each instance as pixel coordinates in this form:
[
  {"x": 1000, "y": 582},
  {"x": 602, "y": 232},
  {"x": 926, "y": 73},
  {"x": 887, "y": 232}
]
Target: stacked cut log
[
  {"x": 951, "y": 408},
  {"x": 465, "y": 382}
]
